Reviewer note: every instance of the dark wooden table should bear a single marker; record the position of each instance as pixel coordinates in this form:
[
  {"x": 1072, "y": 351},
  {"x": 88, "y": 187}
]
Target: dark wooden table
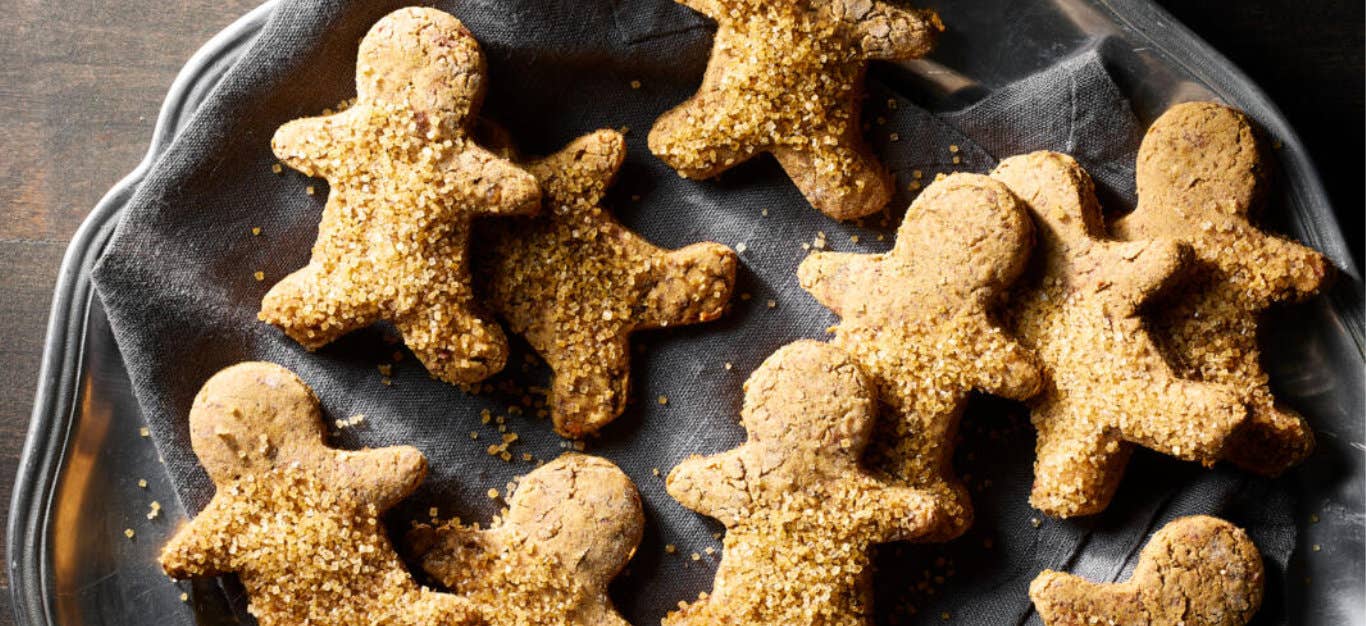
[{"x": 80, "y": 84}]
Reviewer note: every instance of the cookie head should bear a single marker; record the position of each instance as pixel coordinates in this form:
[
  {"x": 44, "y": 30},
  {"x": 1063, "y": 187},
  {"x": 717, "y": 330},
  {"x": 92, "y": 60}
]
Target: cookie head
[
  {"x": 424, "y": 60},
  {"x": 969, "y": 229},
  {"x": 1059, "y": 192},
  {"x": 582, "y": 510},
  {"x": 249, "y": 417},
  {"x": 809, "y": 400},
  {"x": 1202, "y": 159}
]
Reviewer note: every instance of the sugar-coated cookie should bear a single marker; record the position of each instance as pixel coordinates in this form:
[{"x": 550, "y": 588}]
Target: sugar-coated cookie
[
  {"x": 1107, "y": 384},
  {"x": 576, "y": 283},
  {"x": 1201, "y": 175},
  {"x": 1196, "y": 571},
  {"x": 786, "y": 77},
  {"x": 801, "y": 513},
  {"x": 298, "y": 521},
  {"x": 569, "y": 529},
  {"x": 919, "y": 320},
  {"x": 406, "y": 179}
]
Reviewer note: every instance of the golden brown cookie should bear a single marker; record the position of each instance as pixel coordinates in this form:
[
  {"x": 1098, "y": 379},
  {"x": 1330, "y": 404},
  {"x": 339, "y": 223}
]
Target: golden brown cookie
[
  {"x": 1107, "y": 384},
  {"x": 919, "y": 319},
  {"x": 801, "y": 513},
  {"x": 1200, "y": 177},
  {"x": 296, "y": 520},
  {"x": 571, "y": 527},
  {"x": 786, "y": 77},
  {"x": 576, "y": 283},
  {"x": 1196, "y": 571},
  {"x": 406, "y": 180}
]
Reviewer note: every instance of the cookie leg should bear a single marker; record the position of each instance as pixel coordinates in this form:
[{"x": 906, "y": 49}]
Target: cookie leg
[
  {"x": 453, "y": 342},
  {"x": 840, "y": 180},
  {"x": 590, "y": 391},
  {"x": 1271, "y": 441},
  {"x": 309, "y": 307},
  {"x": 1075, "y": 472},
  {"x": 692, "y": 285},
  {"x": 698, "y": 140},
  {"x": 1189, "y": 420}
]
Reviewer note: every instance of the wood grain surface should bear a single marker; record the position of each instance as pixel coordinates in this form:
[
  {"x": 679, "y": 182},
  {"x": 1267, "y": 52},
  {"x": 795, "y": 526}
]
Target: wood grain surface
[{"x": 81, "y": 82}]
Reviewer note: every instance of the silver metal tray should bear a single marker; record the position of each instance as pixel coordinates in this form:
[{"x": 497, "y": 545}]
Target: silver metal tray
[{"x": 77, "y": 485}]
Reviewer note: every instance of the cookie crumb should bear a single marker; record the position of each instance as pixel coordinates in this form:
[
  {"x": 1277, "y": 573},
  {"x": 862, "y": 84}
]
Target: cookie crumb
[
  {"x": 128, "y": 532},
  {"x": 663, "y": 400},
  {"x": 255, "y": 231},
  {"x": 277, "y": 168},
  {"x": 635, "y": 84},
  {"x": 259, "y": 276},
  {"x": 144, "y": 432},
  {"x": 142, "y": 483},
  {"x": 310, "y": 190},
  {"x": 492, "y": 493}
]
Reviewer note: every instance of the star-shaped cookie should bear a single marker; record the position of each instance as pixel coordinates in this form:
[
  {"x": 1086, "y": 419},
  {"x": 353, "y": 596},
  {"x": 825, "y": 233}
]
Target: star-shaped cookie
[
  {"x": 786, "y": 77},
  {"x": 296, "y": 520},
  {"x": 800, "y": 510},
  {"x": 1200, "y": 175},
  {"x": 570, "y": 528},
  {"x": 1107, "y": 384},
  {"x": 406, "y": 179},
  {"x": 919, "y": 319},
  {"x": 576, "y": 283}
]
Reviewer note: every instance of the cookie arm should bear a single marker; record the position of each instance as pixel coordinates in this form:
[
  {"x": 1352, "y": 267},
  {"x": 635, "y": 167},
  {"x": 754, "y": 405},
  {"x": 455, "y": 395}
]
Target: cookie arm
[
  {"x": 381, "y": 476},
  {"x": 496, "y": 186},
  {"x": 828, "y": 276},
  {"x": 692, "y": 285},
  {"x": 1293, "y": 271},
  {"x": 713, "y": 9},
  {"x": 1063, "y": 599},
  {"x": 906, "y": 513},
  {"x": 309, "y": 144},
  {"x": 891, "y": 33},
  {"x": 1005, "y": 367},
  {"x": 1133, "y": 270},
  {"x": 199, "y": 548},
  {"x": 712, "y": 485}
]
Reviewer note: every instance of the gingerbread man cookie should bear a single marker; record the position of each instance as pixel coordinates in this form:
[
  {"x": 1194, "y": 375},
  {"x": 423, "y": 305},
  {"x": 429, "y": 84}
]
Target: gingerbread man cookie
[
  {"x": 576, "y": 283},
  {"x": 919, "y": 319},
  {"x": 1107, "y": 383},
  {"x": 1200, "y": 176},
  {"x": 1196, "y": 571},
  {"x": 786, "y": 77},
  {"x": 406, "y": 180},
  {"x": 296, "y": 520},
  {"x": 801, "y": 513},
  {"x": 571, "y": 527}
]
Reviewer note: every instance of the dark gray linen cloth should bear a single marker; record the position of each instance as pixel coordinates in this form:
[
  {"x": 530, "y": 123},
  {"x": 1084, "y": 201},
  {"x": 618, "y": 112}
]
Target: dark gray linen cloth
[{"x": 177, "y": 282}]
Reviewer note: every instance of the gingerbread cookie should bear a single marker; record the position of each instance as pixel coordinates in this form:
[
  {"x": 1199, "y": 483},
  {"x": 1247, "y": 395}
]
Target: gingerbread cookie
[
  {"x": 576, "y": 283},
  {"x": 1107, "y": 384},
  {"x": 801, "y": 512},
  {"x": 786, "y": 77},
  {"x": 406, "y": 180},
  {"x": 296, "y": 520},
  {"x": 1200, "y": 176},
  {"x": 571, "y": 527},
  {"x": 919, "y": 319},
  {"x": 1196, "y": 571}
]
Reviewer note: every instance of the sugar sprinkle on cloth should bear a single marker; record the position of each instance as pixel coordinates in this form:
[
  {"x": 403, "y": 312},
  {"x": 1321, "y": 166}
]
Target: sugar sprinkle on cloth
[{"x": 178, "y": 284}]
